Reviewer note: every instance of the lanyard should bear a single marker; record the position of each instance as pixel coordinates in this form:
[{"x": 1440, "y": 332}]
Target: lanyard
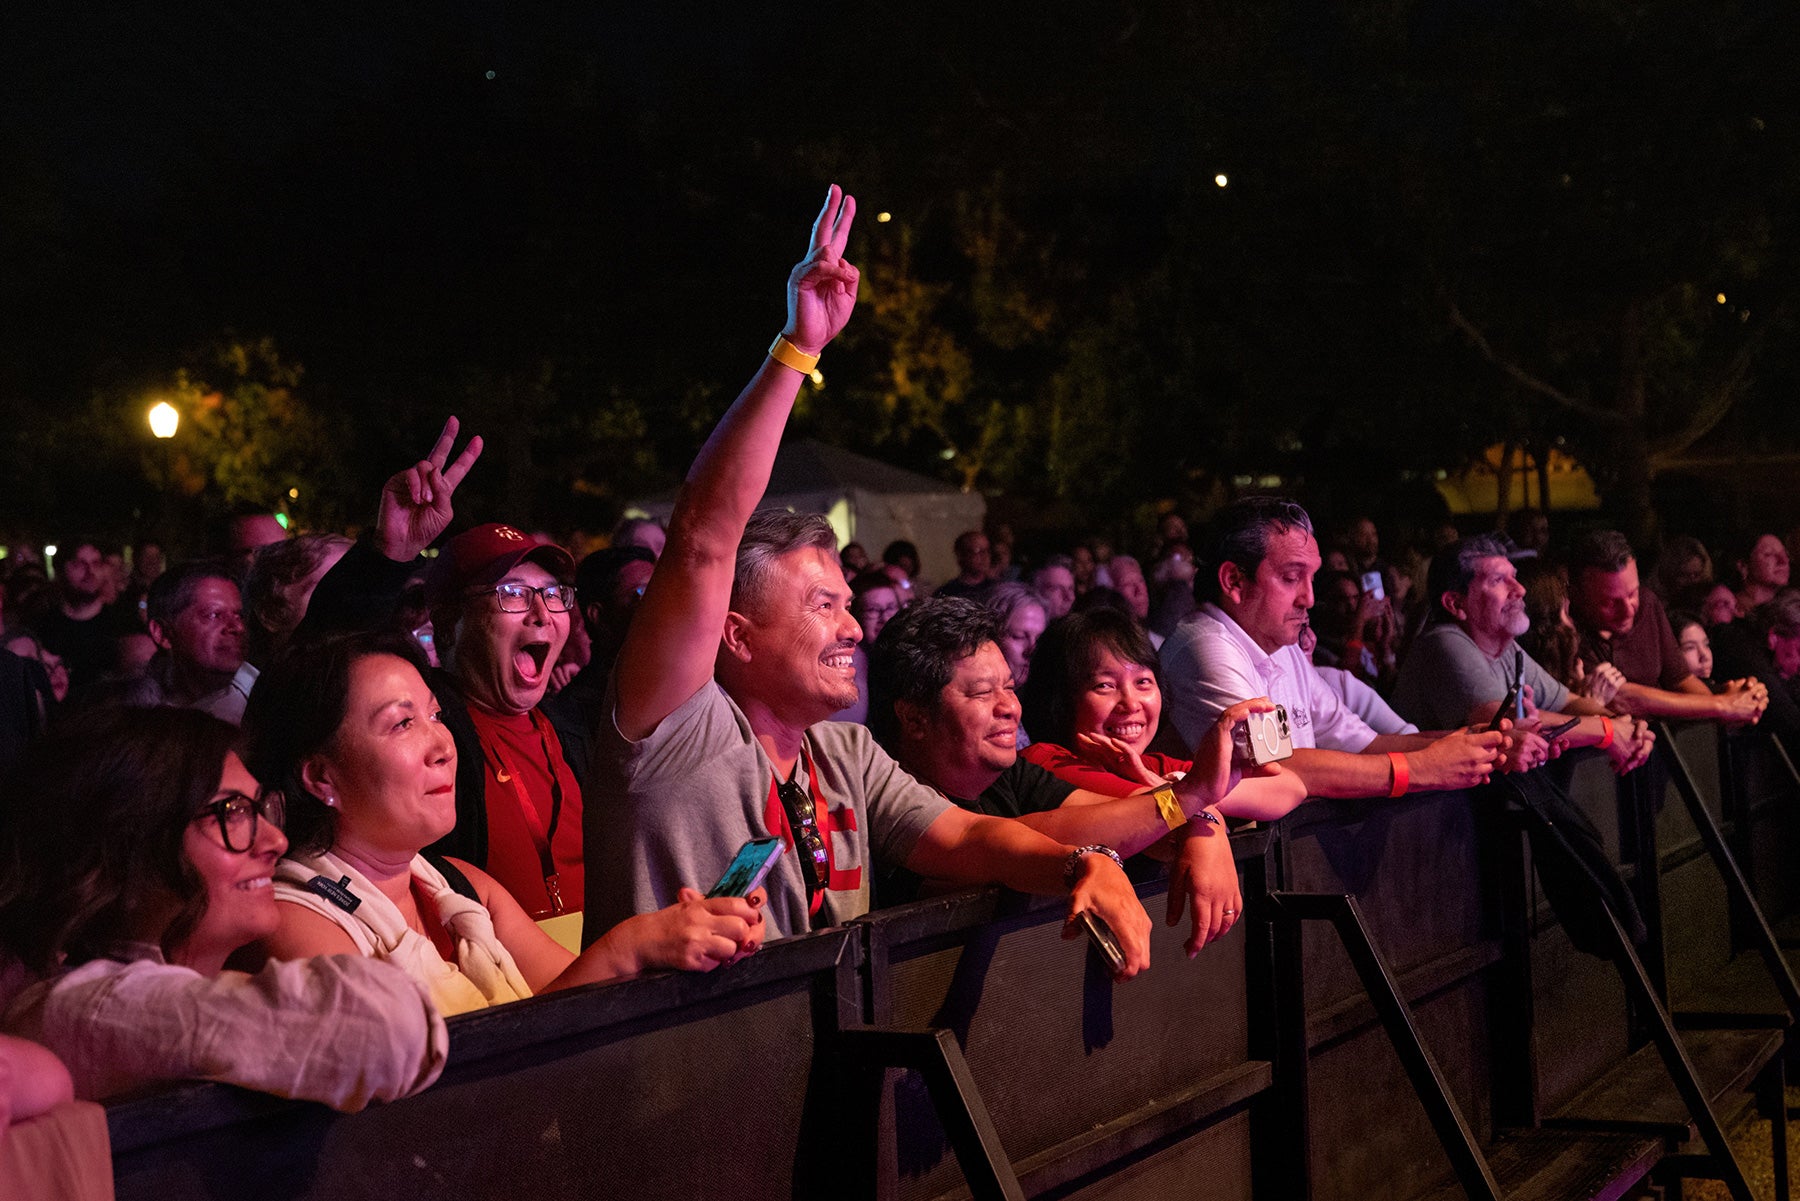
[
  {"x": 818, "y": 876},
  {"x": 540, "y": 836}
]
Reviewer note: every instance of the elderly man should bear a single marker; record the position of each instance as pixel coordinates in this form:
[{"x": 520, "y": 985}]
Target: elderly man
[
  {"x": 740, "y": 652},
  {"x": 1259, "y": 566},
  {"x": 1055, "y": 582},
  {"x": 197, "y": 622},
  {"x": 942, "y": 702},
  {"x": 1463, "y": 664},
  {"x": 1623, "y": 624}
]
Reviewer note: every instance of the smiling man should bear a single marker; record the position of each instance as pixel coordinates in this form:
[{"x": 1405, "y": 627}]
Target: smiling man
[
  {"x": 1259, "y": 564},
  {"x": 742, "y": 650},
  {"x": 942, "y": 702}
]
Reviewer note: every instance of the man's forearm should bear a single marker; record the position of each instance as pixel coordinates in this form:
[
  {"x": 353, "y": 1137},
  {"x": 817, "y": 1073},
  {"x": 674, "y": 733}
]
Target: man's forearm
[
  {"x": 1645, "y": 701},
  {"x": 970, "y": 848},
  {"x": 731, "y": 472},
  {"x": 1126, "y": 824},
  {"x": 1342, "y": 774}
]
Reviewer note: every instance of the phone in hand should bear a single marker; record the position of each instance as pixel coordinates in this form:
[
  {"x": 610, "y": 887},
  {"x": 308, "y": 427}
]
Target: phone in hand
[
  {"x": 1262, "y": 738},
  {"x": 1371, "y": 585},
  {"x": 1510, "y": 707},
  {"x": 1106, "y": 943},
  {"x": 748, "y": 868}
]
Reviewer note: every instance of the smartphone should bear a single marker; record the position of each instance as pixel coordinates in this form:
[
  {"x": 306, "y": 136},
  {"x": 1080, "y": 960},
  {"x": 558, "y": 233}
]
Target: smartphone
[
  {"x": 1559, "y": 731},
  {"x": 1104, "y": 940},
  {"x": 1263, "y": 738},
  {"x": 1508, "y": 708},
  {"x": 749, "y": 868},
  {"x": 1371, "y": 585}
]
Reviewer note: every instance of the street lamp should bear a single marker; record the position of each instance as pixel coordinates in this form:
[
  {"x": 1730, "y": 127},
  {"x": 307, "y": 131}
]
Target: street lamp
[{"x": 164, "y": 419}]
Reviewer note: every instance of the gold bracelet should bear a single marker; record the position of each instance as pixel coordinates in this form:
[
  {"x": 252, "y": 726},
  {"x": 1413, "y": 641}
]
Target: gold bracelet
[
  {"x": 1170, "y": 807},
  {"x": 789, "y": 355}
]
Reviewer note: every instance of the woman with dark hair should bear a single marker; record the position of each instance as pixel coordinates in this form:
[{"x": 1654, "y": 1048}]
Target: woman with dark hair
[
  {"x": 136, "y": 853},
  {"x": 352, "y": 735},
  {"x": 1093, "y": 704}
]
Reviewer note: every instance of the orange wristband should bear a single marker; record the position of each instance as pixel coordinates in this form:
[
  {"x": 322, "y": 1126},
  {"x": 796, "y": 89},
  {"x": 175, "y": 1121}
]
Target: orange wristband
[
  {"x": 1606, "y": 724},
  {"x": 1401, "y": 776}
]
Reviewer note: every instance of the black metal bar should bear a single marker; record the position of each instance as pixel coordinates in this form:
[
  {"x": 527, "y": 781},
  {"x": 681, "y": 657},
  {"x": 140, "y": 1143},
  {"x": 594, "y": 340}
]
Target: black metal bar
[
  {"x": 1736, "y": 886},
  {"x": 1458, "y": 1140},
  {"x": 1772, "y": 1101},
  {"x": 935, "y": 1055},
  {"x": 1674, "y": 1056},
  {"x": 1637, "y": 828}
]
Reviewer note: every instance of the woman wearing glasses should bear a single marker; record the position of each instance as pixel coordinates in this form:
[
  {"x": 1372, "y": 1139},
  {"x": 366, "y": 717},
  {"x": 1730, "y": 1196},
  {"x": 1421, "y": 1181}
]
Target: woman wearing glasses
[
  {"x": 355, "y": 738},
  {"x": 136, "y": 853}
]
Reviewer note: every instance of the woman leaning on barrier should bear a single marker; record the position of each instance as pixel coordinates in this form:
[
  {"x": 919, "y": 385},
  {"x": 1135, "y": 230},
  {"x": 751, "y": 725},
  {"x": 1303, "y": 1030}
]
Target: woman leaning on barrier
[
  {"x": 1094, "y": 702},
  {"x": 136, "y": 854},
  {"x": 348, "y": 728}
]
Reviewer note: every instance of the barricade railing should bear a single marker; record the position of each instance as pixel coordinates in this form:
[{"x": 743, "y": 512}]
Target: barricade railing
[{"x": 960, "y": 1046}]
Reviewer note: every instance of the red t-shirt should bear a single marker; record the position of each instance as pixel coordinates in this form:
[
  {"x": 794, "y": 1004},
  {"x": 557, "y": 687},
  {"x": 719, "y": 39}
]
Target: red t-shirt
[
  {"x": 522, "y": 752},
  {"x": 1068, "y": 766}
]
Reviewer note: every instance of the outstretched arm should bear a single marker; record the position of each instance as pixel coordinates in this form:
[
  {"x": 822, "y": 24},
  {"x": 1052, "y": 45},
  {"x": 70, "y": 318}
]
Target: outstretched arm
[{"x": 674, "y": 636}]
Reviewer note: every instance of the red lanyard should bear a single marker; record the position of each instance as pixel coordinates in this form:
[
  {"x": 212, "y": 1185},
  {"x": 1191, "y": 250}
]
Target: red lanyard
[{"x": 540, "y": 836}]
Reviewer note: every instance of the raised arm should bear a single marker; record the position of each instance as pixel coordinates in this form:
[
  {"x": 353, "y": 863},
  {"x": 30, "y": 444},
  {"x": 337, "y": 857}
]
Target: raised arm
[{"x": 674, "y": 636}]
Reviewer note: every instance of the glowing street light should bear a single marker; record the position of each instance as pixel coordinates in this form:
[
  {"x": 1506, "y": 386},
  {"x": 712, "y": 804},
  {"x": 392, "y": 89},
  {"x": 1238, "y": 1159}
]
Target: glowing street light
[
  {"x": 164, "y": 419},
  {"x": 883, "y": 218},
  {"x": 1720, "y": 298},
  {"x": 1220, "y": 179}
]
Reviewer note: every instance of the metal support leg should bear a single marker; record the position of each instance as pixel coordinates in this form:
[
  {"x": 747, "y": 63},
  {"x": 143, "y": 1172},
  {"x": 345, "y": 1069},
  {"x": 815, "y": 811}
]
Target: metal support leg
[
  {"x": 1736, "y": 886},
  {"x": 1641, "y": 990},
  {"x": 1459, "y": 1142},
  {"x": 935, "y": 1055}
]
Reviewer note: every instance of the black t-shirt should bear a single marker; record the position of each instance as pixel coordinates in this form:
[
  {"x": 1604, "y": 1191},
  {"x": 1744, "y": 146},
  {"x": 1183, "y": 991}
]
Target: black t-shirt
[
  {"x": 88, "y": 648},
  {"x": 973, "y": 592},
  {"x": 1022, "y": 788}
]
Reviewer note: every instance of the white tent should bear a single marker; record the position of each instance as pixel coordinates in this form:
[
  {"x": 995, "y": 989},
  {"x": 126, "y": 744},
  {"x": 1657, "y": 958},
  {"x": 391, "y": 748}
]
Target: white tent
[{"x": 866, "y": 501}]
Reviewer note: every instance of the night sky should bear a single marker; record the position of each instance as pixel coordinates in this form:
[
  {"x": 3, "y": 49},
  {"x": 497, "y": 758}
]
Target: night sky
[{"x": 417, "y": 201}]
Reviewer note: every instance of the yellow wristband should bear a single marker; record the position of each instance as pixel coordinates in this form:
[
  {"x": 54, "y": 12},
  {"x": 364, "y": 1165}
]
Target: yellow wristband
[
  {"x": 1169, "y": 807},
  {"x": 789, "y": 355}
]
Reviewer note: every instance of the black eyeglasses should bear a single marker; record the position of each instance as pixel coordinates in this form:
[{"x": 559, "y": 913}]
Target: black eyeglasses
[
  {"x": 815, "y": 865},
  {"x": 516, "y": 598},
  {"x": 238, "y": 815}
]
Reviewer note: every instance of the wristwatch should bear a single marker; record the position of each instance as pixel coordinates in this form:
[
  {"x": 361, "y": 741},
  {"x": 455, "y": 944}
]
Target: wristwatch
[{"x": 1072, "y": 865}]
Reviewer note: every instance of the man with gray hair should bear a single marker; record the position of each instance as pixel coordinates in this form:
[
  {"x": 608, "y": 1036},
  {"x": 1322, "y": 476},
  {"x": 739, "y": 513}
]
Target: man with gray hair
[
  {"x": 1463, "y": 664},
  {"x": 717, "y": 729},
  {"x": 1258, "y": 566}
]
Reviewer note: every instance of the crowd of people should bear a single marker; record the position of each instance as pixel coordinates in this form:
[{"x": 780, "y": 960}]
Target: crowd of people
[{"x": 270, "y": 818}]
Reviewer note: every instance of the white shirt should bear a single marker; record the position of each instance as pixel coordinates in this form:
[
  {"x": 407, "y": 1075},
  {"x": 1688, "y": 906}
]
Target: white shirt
[{"x": 1210, "y": 664}]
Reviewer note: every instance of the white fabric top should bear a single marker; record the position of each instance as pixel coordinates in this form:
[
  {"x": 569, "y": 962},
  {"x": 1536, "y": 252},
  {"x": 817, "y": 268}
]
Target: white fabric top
[
  {"x": 333, "y": 1028},
  {"x": 1364, "y": 701},
  {"x": 228, "y": 703},
  {"x": 484, "y": 973},
  {"x": 1210, "y": 664}
]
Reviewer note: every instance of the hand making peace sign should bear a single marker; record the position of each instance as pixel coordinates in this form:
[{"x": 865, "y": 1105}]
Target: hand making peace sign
[
  {"x": 822, "y": 286},
  {"x": 415, "y": 503}
]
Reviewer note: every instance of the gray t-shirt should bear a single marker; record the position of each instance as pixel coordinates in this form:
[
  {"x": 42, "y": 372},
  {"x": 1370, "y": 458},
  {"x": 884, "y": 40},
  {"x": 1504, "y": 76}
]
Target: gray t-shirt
[
  {"x": 671, "y": 811},
  {"x": 1446, "y": 674}
]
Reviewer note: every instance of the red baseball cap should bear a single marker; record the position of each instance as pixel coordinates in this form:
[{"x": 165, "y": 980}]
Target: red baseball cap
[{"x": 485, "y": 554}]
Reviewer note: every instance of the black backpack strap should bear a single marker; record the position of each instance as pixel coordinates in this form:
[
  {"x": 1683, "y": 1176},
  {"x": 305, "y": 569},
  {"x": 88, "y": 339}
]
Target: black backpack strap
[{"x": 453, "y": 876}]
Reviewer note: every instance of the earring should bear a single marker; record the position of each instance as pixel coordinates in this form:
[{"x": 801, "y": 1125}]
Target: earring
[{"x": 331, "y": 801}]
